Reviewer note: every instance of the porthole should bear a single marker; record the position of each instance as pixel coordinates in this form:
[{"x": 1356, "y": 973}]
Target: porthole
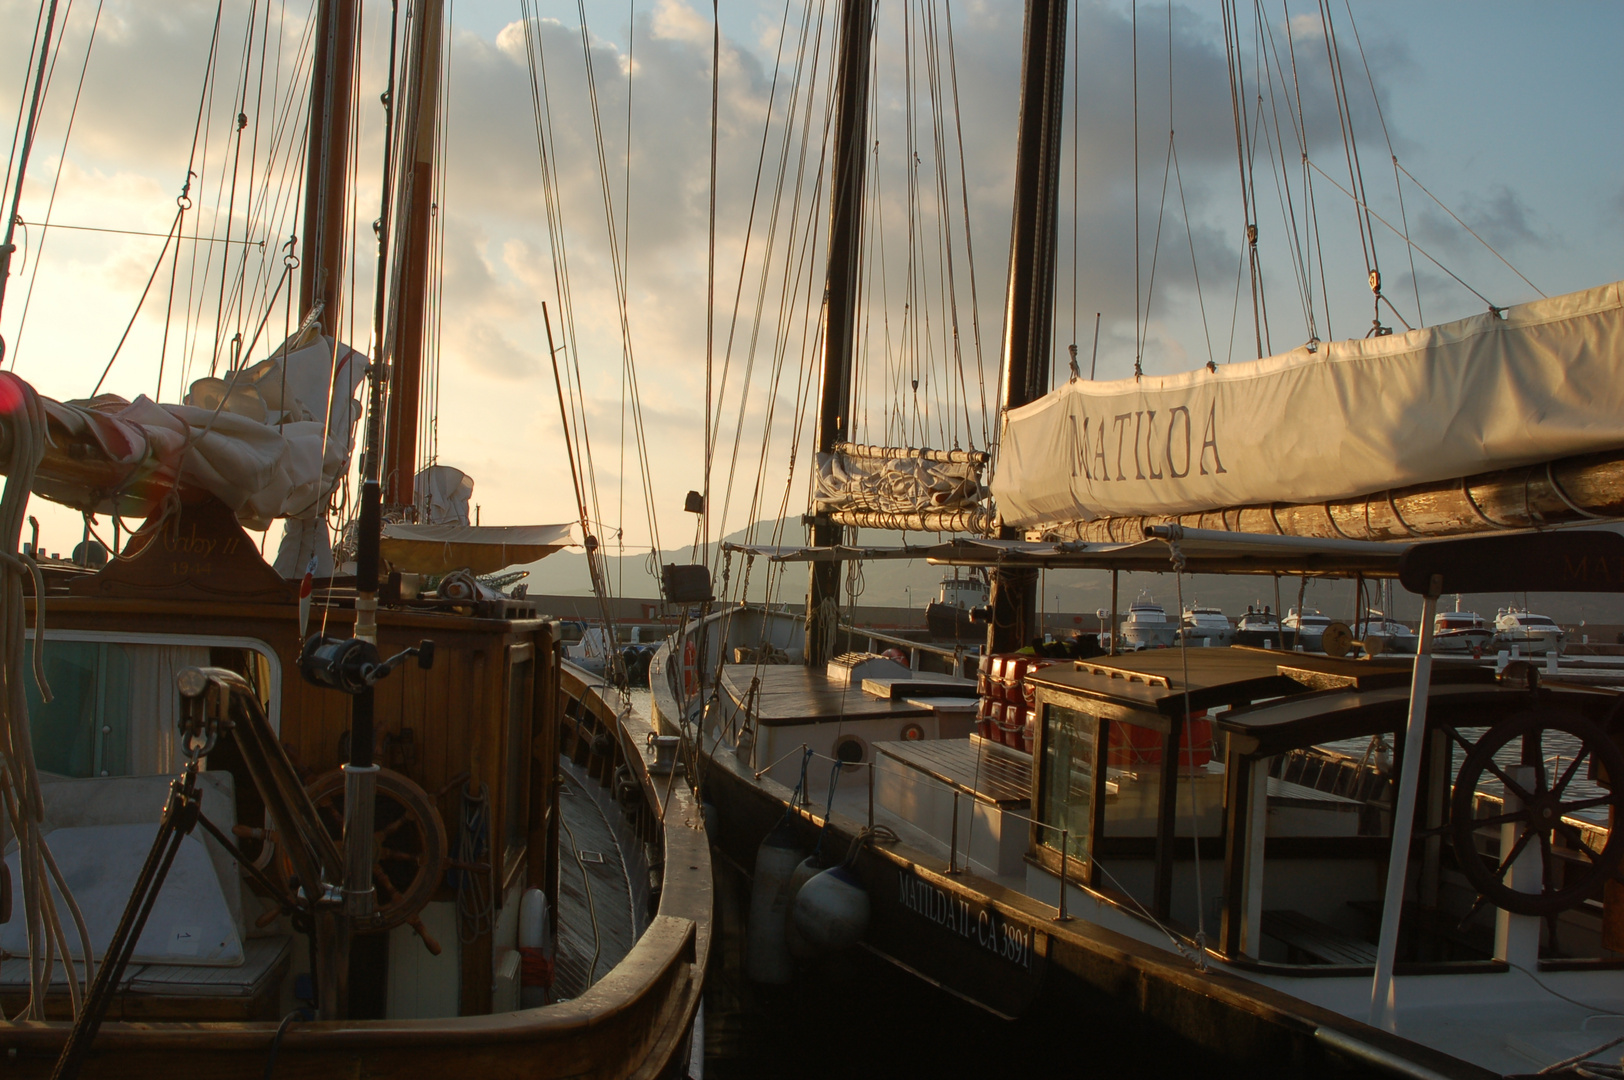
[{"x": 850, "y": 750}]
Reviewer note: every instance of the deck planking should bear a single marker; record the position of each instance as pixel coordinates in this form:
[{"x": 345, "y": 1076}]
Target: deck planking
[
  {"x": 797, "y": 694},
  {"x": 594, "y": 899},
  {"x": 967, "y": 766}
]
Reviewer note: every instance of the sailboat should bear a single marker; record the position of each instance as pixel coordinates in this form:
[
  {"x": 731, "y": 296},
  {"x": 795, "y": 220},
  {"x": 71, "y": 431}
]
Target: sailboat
[
  {"x": 1282, "y": 863},
  {"x": 345, "y": 817}
]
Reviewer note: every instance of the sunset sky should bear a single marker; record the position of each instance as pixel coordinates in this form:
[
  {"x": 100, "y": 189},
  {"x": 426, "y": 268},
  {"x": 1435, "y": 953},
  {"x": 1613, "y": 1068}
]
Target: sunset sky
[{"x": 1508, "y": 113}]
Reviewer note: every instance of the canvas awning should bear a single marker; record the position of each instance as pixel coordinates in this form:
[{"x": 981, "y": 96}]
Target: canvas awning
[
  {"x": 483, "y": 549},
  {"x": 1205, "y": 551}
]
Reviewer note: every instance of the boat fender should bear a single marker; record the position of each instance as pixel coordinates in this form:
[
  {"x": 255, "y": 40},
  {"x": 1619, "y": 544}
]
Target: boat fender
[
  {"x": 535, "y": 949},
  {"x": 832, "y": 910},
  {"x": 799, "y": 947},
  {"x": 766, "y": 954},
  {"x": 690, "y": 669}
]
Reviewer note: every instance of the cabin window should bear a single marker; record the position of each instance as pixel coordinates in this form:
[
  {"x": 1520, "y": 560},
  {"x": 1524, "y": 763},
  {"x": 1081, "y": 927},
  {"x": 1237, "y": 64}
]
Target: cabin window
[
  {"x": 1133, "y": 780},
  {"x": 114, "y": 706},
  {"x": 1069, "y": 762},
  {"x": 520, "y": 682}
]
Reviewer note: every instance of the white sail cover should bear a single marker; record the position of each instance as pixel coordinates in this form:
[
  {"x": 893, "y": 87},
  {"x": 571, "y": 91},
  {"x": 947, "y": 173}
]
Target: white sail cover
[
  {"x": 483, "y": 549},
  {"x": 1539, "y": 381}
]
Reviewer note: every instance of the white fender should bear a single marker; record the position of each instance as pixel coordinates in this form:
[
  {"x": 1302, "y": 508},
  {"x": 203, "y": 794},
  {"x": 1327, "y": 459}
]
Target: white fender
[
  {"x": 766, "y": 956},
  {"x": 799, "y": 947},
  {"x": 535, "y": 939}
]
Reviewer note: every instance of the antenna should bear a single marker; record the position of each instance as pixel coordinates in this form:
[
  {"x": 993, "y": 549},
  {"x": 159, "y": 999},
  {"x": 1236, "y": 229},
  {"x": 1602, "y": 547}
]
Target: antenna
[{"x": 1094, "y": 362}]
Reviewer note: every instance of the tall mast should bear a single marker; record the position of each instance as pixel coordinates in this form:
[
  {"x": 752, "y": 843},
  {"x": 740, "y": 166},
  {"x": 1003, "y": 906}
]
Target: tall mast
[
  {"x": 327, "y": 161},
  {"x": 1029, "y": 311},
  {"x": 404, "y": 340},
  {"x": 840, "y": 298}
]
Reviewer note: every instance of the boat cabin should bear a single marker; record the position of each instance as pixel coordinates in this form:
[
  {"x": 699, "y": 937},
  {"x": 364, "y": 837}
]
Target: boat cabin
[{"x": 1247, "y": 795}]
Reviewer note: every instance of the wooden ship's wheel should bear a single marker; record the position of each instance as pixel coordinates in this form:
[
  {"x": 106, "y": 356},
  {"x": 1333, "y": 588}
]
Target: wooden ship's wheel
[
  {"x": 409, "y": 846},
  {"x": 1538, "y": 810}
]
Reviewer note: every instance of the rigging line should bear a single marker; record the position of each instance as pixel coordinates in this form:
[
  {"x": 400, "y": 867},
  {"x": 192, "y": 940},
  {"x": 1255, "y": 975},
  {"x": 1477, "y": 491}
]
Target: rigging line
[
  {"x": 1388, "y": 139},
  {"x": 945, "y": 214},
  {"x": 28, "y": 70},
  {"x": 190, "y": 328},
  {"x": 617, "y": 265},
  {"x": 185, "y": 200},
  {"x": 1406, "y": 239},
  {"x": 1350, "y": 146},
  {"x": 22, "y": 162},
  {"x": 1194, "y": 266},
  {"x": 1237, "y": 95},
  {"x": 626, "y": 245},
  {"x": 50, "y": 203},
  {"x": 1263, "y": 29},
  {"x": 241, "y": 99},
  {"x": 156, "y": 266},
  {"x": 1138, "y": 292},
  {"x": 45, "y": 225},
  {"x": 1465, "y": 226},
  {"x": 1076, "y": 179},
  {"x": 969, "y": 246},
  {"x": 710, "y": 257},
  {"x": 1155, "y": 252},
  {"x": 800, "y": 70},
  {"x": 1310, "y": 207}
]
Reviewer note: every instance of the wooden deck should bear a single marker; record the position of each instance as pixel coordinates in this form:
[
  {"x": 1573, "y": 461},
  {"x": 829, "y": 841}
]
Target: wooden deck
[
  {"x": 797, "y": 694},
  {"x": 594, "y": 901},
  {"x": 968, "y": 766}
]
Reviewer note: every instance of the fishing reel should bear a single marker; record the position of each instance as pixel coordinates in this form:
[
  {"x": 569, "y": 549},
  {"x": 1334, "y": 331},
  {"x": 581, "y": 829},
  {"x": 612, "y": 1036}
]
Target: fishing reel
[{"x": 354, "y": 665}]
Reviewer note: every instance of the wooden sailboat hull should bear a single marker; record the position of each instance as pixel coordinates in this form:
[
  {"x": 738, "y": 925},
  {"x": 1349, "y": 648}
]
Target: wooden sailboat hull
[{"x": 998, "y": 948}]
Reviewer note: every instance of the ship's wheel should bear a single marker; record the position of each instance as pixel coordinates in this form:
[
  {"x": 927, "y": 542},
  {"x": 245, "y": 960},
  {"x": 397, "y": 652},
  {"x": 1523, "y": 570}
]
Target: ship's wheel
[
  {"x": 409, "y": 846},
  {"x": 1541, "y": 807}
]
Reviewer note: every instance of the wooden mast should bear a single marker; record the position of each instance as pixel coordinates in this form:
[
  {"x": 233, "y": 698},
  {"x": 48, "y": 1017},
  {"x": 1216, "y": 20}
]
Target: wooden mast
[
  {"x": 407, "y": 329},
  {"x": 327, "y": 162},
  {"x": 840, "y": 299},
  {"x": 1029, "y": 311}
]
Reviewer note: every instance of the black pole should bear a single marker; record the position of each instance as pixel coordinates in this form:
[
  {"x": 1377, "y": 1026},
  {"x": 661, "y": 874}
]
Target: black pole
[
  {"x": 1034, "y": 243},
  {"x": 840, "y": 295}
]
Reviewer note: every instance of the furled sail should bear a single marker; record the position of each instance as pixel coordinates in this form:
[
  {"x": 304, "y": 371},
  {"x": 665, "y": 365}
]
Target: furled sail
[
  {"x": 484, "y": 549},
  {"x": 270, "y": 442},
  {"x": 1527, "y": 384}
]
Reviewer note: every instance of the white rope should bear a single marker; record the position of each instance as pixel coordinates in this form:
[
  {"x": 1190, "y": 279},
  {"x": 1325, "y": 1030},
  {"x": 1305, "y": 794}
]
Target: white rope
[{"x": 19, "y": 778}]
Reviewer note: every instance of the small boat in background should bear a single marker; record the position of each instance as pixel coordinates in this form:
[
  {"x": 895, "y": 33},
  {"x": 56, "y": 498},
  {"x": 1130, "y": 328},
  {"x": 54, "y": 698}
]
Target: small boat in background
[
  {"x": 1395, "y": 636},
  {"x": 948, "y": 616},
  {"x": 1260, "y": 628},
  {"x": 1529, "y": 634},
  {"x": 1460, "y": 632},
  {"x": 1147, "y": 625},
  {"x": 1207, "y": 626},
  {"x": 1308, "y": 628}
]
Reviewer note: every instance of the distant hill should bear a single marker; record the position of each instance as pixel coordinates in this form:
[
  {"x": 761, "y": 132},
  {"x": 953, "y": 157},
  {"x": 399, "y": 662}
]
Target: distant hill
[{"x": 912, "y": 583}]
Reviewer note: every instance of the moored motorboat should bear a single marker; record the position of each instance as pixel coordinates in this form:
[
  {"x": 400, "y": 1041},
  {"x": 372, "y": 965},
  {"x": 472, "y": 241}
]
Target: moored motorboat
[
  {"x": 1520, "y": 630},
  {"x": 1207, "y": 626},
  {"x": 1461, "y": 633},
  {"x": 1147, "y": 626},
  {"x": 1307, "y": 628}
]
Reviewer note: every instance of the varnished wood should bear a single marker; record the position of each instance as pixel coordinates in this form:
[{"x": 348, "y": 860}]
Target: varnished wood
[
  {"x": 793, "y": 694},
  {"x": 1567, "y": 491}
]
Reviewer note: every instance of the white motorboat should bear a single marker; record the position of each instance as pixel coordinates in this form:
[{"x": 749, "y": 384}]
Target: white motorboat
[
  {"x": 1529, "y": 634},
  {"x": 1205, "y": 625},
  {"x": 1395, "y": 636},
  {"x": 1308, "y": 626},
  {"x": 1460, "y": 632},
  {"x": 1147, "y": 626}
]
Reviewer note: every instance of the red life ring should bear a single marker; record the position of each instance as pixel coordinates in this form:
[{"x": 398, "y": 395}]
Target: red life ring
[{"x": 690, "y": 669}]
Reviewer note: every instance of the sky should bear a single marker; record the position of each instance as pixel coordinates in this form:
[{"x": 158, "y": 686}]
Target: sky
[{"x": 1507, "y": 113}]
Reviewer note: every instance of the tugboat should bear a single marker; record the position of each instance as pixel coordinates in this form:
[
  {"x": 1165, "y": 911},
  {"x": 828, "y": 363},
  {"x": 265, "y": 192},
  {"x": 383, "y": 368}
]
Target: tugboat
[
  {"x": 1147, "y": 626},
  {"x": 948, "y": 616}
]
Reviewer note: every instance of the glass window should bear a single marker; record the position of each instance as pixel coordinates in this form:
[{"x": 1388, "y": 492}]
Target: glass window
[
  {"x": 1069, "y": 754},
  {"x": 518, "y": 758},
  {"x": 1133, "y": 758},
  {"x": 113, "y": 707}
]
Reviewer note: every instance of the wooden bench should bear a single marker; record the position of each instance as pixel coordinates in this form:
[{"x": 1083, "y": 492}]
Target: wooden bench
[{"x": 1321, "y": 942}]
